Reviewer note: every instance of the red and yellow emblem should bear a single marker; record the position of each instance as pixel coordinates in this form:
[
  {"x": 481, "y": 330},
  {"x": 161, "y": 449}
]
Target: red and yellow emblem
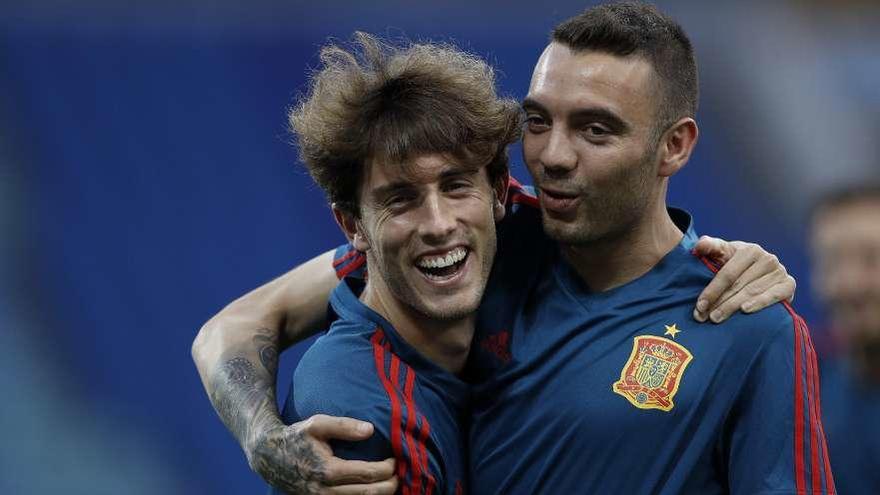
[{"x": 651, "y": 376}]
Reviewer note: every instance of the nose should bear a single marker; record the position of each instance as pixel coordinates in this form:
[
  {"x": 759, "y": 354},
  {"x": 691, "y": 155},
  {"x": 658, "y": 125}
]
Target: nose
[
  {"x": 438, "y": 220},
  {"x": 558, "y": 156}
]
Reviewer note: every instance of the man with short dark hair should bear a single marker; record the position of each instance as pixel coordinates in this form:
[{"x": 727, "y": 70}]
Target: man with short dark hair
[
  {"x": 845, "y": 249},
  {"x": 590, "y": 373},
  {"x": 604, "y": 362}
]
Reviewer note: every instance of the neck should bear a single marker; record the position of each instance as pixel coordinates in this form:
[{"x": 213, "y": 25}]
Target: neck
[
  {"x": 611, "y": 262},
  {"x": 444, "y": 342}
]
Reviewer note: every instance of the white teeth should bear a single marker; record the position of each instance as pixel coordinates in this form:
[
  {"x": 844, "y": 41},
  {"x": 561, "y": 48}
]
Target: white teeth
[{"x": 450, "y": 259}]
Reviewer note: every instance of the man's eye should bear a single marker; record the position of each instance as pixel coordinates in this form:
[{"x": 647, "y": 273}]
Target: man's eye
[
  {"x": 399, "y": 200},
  {"x": 536, "y": 123},
  {"x": 457, "y": 185},
  {"x": 596, "y": 130}
]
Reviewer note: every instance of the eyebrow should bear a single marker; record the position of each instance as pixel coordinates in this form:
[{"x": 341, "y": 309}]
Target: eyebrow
[
  {"x": 580, "y": 115},
  {"x": 402, "y": 185}
]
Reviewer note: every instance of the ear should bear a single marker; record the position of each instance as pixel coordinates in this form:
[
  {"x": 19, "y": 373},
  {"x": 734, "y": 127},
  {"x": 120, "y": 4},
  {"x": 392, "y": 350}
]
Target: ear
[
  {"x": 352, "y": 228},
  {"x": 676, "y": 146},
  {"x": 499, "y": 196}
]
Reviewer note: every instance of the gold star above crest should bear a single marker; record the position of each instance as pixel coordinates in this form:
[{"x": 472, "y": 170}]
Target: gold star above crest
[{"x": 671, "y": 330}]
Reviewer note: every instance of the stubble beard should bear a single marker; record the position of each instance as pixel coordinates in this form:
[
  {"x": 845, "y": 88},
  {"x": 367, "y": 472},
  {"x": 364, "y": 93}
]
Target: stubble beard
[
  {"x": 403, "y": 290},
  {"x": 605, "y": 216}
]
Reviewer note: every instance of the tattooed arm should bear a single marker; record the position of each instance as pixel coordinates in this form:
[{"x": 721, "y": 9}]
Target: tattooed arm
[{"x": 236, "y": 353}]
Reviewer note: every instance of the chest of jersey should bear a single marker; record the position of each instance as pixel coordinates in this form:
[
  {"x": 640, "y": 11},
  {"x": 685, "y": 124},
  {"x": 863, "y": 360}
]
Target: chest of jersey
[{"x": 626, "y": 378}]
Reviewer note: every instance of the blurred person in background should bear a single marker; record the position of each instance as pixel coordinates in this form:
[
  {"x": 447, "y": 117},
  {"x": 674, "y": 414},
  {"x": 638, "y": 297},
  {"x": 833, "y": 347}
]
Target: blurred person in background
[{"x": 845, "y": 242}]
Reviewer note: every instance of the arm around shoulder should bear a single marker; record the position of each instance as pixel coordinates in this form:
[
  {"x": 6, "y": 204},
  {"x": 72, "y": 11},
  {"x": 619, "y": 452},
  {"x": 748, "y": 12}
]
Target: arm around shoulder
[
  {"x": 236, "y": 356},
  {"x": 287, "y": 310}
]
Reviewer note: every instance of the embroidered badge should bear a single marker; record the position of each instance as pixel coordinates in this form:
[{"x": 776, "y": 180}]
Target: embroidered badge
[{"x": 651, "y": 376}]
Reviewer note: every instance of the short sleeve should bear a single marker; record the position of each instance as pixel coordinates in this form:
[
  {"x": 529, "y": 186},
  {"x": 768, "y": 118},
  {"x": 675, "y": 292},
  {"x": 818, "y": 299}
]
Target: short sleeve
[
  {"x": 338, "y": 383},
  {"x": 774, "y": 435},
  {"x": 348, "y": 261},
  {"x": 359, "y": 378}
]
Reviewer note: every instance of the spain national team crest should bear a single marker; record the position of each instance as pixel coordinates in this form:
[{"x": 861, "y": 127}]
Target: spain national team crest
[{"x": 651, "y": 376}]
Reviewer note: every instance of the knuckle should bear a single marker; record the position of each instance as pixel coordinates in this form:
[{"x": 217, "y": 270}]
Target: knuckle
[
  {"x": 330, "y": 473},
  {"x": 307, "y": 424},
  {"x": 724, "y": 278},
  {"x": 313, "y": 422}
]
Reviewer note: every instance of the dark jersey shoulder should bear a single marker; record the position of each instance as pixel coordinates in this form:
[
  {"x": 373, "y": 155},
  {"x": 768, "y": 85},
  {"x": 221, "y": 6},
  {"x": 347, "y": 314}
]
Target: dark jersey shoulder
[{"x": 337, "y": 376}]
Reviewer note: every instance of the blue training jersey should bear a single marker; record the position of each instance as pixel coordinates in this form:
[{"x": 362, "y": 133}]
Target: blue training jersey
[
  {"x": 623, "y": 392},
  {"x": 363, "y": 369}
]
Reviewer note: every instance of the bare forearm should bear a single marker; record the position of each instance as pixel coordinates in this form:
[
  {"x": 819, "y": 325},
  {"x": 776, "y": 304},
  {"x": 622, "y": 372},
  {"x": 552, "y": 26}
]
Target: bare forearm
[
  {"x": 241, "y": 387},
  {"x": 242, "y": 390},
  {"x": 236, "y": 351}
]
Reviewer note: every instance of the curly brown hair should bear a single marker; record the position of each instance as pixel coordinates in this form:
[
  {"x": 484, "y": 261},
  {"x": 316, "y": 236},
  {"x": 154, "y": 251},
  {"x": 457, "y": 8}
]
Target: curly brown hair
[{"x": 394, "y": 103}]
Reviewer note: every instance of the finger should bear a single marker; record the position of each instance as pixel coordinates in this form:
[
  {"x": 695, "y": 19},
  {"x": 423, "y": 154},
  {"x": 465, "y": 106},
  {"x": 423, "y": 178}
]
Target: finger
[
  {"x": 386, "y": 487},
  {"x": 757, "y": 278},
  {"x": 726, "y": 276},
  {"x": 714, "y": 248},
  {"x": 736, "y": 301},
  {"x": 342, "y": 472},
  {"x": 339, "y": 428},
  {"x": 778, "y": 292}
]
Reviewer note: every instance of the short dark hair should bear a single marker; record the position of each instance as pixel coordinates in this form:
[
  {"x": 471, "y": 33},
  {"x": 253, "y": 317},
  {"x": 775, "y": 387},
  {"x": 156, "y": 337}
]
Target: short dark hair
[
  {"x": 635, "y": 28},
  {"x": 377, "y": 101},
  {"x": 846, "y": 195}
]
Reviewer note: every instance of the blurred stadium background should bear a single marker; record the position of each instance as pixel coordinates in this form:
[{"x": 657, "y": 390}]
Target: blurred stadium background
[{"x": 146, "y": 179}]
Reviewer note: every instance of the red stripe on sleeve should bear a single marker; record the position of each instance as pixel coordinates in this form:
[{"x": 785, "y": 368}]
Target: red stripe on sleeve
[
  {"x": 411, "y": 415},
  {"x": 823, "y": 447},
  {"x": 816, "y": 480},
  {"x": 396, "y": 446},
  {"x": 706, "y": 261},
  {"x": 354, "y": 265},
  {"x": 348, "y": 255},
  {"x": 524, "y": 199},
  {"x": 423, "y": 439},
  {"x": 513, "y": 183},
  {"x": 800, "y": 479},
  {"x": 519, "y": 195}
]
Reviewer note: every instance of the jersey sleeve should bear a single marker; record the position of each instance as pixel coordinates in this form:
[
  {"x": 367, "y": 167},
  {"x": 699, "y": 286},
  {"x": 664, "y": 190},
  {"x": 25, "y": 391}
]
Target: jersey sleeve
[
  {"x": 775, "y": 439},
  {"x": 369, "y": 382},
  {"x": 348, "y": 261}
]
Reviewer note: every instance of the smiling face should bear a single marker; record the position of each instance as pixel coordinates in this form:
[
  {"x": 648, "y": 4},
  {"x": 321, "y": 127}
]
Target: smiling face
[
  {"x": 429, "y": 233},
  {"x": 591, "y": 142}
]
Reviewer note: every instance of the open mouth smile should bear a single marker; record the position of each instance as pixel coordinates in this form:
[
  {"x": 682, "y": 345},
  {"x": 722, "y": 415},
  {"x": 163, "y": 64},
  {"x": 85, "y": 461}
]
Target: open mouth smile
[{"x": 444, "y": 266}]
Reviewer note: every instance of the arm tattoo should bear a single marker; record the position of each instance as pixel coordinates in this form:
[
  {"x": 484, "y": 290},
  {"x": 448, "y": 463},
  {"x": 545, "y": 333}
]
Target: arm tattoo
[
  {"x": 289, "y": 462},
  {"x": 239, "y": 393},
  {"x": 244, "y": 396},
  {"x": 268, "y": 349}
]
